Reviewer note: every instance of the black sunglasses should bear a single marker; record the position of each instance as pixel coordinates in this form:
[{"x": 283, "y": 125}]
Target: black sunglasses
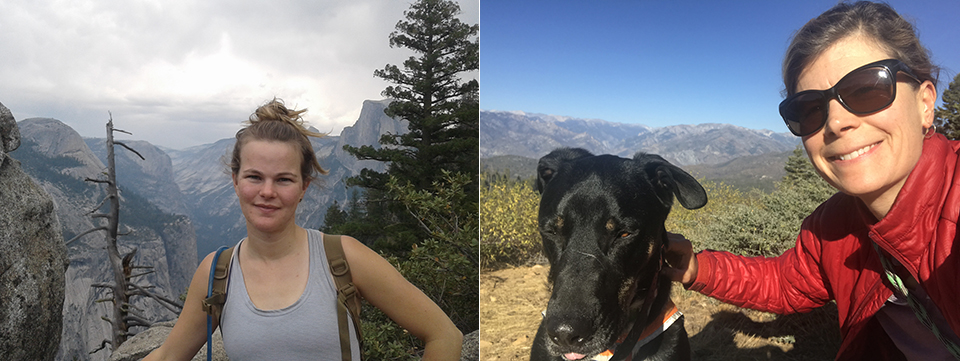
[{"x": 864, "y": 90}]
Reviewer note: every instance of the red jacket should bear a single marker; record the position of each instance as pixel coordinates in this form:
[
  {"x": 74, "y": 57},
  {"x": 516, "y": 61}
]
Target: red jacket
[{"x": 834, "y": 258}]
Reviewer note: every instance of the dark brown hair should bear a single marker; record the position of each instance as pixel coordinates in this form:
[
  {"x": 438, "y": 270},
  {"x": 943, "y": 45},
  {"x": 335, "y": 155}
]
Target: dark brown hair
[
  {"x": 877, "y": 21},
  {"x": 274, "y": 122}
]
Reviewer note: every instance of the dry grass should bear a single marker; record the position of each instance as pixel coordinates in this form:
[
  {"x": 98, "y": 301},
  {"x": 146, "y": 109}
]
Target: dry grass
[{"x": 511, "y": 301}]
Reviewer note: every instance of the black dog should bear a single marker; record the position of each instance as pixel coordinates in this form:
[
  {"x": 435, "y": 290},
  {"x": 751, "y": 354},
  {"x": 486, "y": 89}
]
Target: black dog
[{"x": 602, "y": 224}]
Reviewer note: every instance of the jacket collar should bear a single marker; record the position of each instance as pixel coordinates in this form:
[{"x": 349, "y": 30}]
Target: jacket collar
[{"x": 910, "y": 225}]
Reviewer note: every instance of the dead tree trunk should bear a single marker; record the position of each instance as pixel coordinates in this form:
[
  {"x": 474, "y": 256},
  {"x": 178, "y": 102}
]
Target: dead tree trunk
[
  {"x": 120, "y": 299},
  {"x": 123, "y": 288}
]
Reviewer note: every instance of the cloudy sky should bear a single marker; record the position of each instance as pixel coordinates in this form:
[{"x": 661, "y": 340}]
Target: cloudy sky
[
  {"x": 662, "y": 63},
  {"x": 180, "y": 73}
]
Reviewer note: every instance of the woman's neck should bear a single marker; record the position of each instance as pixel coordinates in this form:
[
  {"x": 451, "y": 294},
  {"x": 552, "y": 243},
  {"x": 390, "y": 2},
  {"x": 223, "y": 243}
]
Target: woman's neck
[
  {"x": 272, "y": 246},
  {"x": 881, "y": 202}
]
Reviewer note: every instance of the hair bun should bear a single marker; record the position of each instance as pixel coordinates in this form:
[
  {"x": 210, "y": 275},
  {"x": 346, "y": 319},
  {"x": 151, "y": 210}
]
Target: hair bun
[{"x": 276, "y": 111}]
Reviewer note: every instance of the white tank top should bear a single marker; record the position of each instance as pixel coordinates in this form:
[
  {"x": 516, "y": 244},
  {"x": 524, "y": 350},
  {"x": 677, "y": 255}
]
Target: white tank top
[{"x": 305, "y": 330}]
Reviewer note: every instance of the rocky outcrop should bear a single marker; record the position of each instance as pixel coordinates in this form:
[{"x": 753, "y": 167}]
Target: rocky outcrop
[
  {"x": 9, "y": 133},
  {"x": 471, "y": 347},
  {"x": 59, "y": 160},
  {"x": 143, "y": 343},
  {"x": 33, "y": 260}
]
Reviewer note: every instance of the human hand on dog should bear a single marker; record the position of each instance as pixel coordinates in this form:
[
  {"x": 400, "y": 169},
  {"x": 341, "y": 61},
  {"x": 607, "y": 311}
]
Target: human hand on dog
[{"x": 681, "y": 263}]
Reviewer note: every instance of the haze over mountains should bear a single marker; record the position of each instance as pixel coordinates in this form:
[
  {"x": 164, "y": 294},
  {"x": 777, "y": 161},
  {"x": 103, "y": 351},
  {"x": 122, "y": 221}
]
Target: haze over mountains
[
  {"x": 178, "y": 206},
  {"x": 513, "y": 141}
]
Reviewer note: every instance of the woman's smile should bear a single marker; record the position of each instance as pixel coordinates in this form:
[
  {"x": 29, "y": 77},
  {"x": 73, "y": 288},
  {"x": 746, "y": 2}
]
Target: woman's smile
[{"x": 854, "y": 154}]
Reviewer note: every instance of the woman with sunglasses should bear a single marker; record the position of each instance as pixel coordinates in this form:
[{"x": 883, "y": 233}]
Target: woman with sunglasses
[{"x": 861, "y": 93}]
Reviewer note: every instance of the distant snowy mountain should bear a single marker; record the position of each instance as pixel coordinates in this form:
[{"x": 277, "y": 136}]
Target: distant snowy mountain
[{"x": 534, "y": 135}]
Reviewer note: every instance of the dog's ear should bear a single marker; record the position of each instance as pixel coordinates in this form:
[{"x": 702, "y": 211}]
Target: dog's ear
[
  {"x": 549, "y": 164},
  {"x": 670, "y": 180}
]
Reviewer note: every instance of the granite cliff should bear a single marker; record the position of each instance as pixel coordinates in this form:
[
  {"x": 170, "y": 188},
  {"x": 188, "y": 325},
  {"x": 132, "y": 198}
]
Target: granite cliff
[
  {"x": 33, "y": 259},
  {"x": 59, "y": 160}
]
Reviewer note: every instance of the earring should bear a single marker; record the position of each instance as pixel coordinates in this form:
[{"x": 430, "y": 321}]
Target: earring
[{"x": 930, "y": 131}]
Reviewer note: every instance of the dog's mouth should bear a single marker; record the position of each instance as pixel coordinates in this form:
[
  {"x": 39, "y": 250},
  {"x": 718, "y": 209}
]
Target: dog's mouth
[
  {"x": 573, "y": 356},
  {"x": 632, "y": 297}
]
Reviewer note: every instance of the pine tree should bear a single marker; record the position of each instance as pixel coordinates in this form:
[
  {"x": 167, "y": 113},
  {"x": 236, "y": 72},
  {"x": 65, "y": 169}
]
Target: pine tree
[
  {"x": 799, "y": 168},
  {"x": 443, "y": 110},
  {"x": 947, "y": 116},
  {"x": 334, "y": 217}
]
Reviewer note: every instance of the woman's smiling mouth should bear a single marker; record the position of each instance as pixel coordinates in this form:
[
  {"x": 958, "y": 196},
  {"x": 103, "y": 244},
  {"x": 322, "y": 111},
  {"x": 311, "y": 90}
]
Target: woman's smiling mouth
[{"x": 855, "y": 154}]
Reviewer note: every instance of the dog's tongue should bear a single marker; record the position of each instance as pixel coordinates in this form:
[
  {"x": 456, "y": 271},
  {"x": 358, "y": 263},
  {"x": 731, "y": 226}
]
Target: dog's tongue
[{"x": 573, "y": 356}]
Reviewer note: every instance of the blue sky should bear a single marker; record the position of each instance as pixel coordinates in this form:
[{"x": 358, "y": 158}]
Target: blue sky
[{"x": 663, "y": 63}]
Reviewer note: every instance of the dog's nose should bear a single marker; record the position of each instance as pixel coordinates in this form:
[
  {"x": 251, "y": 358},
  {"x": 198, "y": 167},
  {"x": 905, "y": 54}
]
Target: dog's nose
[{"x": 569, "y": 334}]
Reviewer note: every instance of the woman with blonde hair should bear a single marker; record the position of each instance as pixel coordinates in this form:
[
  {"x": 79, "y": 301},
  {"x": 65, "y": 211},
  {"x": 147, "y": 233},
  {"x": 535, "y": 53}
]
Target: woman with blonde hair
[{"x": 282, "y": 300}]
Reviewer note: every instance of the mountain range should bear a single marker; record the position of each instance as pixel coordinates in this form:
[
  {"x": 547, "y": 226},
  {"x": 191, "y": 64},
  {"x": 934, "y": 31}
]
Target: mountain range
[
  {"x": 512, "y": 141},
  {"x": 176, "y": 205}
]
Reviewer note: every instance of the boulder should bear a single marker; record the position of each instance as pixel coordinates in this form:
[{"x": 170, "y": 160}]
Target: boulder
[
  {"x": 471, "y": 347},
  {"x": 33, "y": 260},
  {"x": 137, "y": 347},
  {"x": 9, "y": 133}
]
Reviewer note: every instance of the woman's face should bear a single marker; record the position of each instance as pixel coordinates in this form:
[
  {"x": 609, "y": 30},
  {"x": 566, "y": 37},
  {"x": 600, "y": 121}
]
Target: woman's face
[
  {"x": 269, "y": 184},
  {"x": 867, "y": 156}
]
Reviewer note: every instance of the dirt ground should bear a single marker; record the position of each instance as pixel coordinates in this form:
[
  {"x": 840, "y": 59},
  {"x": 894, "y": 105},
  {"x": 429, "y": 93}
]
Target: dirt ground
[{"x": 511, "y": 301}]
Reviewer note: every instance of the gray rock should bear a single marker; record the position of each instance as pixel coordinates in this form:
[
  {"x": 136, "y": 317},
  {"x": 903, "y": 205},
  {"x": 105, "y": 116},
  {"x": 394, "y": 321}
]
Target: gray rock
[
  {"x": 137, "y": 347},
  {"x": 9, "y": 133},
  {"x": 471, "y": 347},
  {"x": 33, "y": 260}
]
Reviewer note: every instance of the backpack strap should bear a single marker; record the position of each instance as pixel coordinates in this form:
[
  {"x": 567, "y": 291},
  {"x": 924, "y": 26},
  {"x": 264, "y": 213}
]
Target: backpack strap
[
  {"x": 216, "y": 291},
  {"x": 348, "y": 299}
]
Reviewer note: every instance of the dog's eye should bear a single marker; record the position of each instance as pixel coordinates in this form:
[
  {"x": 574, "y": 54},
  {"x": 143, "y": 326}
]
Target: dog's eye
[{"x": 625, "y": 234}]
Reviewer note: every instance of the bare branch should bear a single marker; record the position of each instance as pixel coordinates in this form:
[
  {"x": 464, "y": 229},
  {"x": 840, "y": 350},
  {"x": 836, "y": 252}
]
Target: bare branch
[
  {"x": 88, "y": 179},
  {"x": 86, "y": 233},
  {"x": 102, "y": 300},
  {"x": 140, "y": 274},
  {"x": 134, "y": 320},
  {"x": 167, "y": 303},
  {"x": 128, "y": 148},
  {"x": 103, "y": 345},
  {"x": 121, "y": 131},
  {"x": 102, "y": 285},
  {"x": 105, "y": 199}
]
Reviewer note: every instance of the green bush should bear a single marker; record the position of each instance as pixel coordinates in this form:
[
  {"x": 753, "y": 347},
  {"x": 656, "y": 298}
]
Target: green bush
[
  {"x": 508, "y": 222},
  {"x": 755, "y": 223},
  {"x": 444, "y": 267}
]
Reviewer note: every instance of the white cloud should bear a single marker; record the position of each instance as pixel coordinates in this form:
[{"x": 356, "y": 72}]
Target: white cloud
[{"x": 182, "y": 73}]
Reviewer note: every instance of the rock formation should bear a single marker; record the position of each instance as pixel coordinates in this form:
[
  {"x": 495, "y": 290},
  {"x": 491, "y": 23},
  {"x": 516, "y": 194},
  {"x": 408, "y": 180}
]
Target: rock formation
[
  {"x": 145, "y": 342},
  {"x": 33, "y": 259},
  {"x": 58, "y": 159},
  {"x": 9, "y": 133}
]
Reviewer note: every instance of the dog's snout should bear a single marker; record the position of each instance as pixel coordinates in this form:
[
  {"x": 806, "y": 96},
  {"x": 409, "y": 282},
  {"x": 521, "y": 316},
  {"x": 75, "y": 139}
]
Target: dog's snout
[{"x": 569, "y": 334}]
